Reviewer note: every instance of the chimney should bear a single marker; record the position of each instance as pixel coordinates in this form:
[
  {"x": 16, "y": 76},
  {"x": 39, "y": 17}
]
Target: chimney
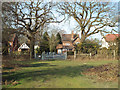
[{"x": 72, "y": 37}]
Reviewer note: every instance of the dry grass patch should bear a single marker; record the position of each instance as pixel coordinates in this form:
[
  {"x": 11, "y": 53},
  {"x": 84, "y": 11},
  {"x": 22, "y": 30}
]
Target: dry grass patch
[{"x": 108, "y": 72}]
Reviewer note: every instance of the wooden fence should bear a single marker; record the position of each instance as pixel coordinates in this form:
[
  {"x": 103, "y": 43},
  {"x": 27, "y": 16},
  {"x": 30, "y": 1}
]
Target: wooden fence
[
  {"x": 100, "y": 54},
  {"x": 80, "y": 55},
  {"x": 112, "y": 54}
]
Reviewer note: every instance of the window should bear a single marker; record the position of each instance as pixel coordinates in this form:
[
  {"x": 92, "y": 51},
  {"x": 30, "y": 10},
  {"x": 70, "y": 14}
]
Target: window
[
  {"x": 64, "y": 49},
  {"x": 67, "y": 44},
  {"x": 59, "y": 51},
  {"x": 77, "y": 42}
]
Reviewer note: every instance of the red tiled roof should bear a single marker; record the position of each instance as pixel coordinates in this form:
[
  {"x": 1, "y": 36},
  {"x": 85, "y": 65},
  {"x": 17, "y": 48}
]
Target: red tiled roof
[
  {"x": 59, "y": 46},
  {"x": 66, "y": 37},
  {"x": 111, "y": 37},
  {"x": 68, "y": 47}
]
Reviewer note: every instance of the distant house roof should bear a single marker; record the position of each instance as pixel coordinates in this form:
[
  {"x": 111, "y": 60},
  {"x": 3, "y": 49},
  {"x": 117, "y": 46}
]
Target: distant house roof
[
  {"x": 66, "y": 37},
  {"x": 111, "y": 37},
  {"x": 24, "y": 46},
  {"x": 36, "y": 46},
  {"x": 68, "y": 47},
  {"x": 59, "y": 46}
]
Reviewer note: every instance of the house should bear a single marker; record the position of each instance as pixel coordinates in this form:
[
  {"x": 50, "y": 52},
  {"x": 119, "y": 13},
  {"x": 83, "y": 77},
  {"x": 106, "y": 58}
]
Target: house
[
  {"x": 109, "y": 40},
  {"x": 36, "y": 46},
  {"x": 68, "y": 42},
  {"x": 23, "y": 47},
  {"x": 13, "y": 42}
]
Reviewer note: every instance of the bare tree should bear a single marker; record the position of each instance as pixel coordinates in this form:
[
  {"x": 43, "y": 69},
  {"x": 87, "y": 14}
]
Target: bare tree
[
  {"x": 52, "y": 43},
  {"x": 30, "y": 18},
  {"x": 92, "y": 17},
  {"x": 6, "y": 25}
]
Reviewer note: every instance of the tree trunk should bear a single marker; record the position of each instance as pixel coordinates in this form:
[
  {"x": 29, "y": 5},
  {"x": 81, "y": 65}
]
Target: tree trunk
[
  {"x": 32, "y": 43},
  {"x": 82, "y": 38},
  {"x": 5, "y": 48},
  {"x": 118, "y": 50}
]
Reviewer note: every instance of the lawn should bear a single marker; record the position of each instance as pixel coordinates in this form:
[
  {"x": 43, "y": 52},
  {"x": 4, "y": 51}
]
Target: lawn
[{"x": 56, "y": 74}]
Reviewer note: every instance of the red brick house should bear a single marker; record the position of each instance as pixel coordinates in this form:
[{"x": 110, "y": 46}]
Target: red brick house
[
  {"x": 68, "y": 42},
  {"x": 13, "y": 42}
]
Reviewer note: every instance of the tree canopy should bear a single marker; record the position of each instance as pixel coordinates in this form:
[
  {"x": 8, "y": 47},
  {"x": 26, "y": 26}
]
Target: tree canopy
[
  {"x": 91, "y": 17},
  {"x": 29, "y": 18},
  {"x": 58, "y": 37},
  {"x": 88, "y": 46}
]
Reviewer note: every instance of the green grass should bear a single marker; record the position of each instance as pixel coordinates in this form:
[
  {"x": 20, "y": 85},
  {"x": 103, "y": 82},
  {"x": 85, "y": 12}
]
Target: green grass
[{"x": 56, "y": 74}]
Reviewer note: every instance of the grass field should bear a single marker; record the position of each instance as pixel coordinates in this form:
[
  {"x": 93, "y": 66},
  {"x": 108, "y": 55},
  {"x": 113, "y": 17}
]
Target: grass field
[{"x": 55, "y": 74}]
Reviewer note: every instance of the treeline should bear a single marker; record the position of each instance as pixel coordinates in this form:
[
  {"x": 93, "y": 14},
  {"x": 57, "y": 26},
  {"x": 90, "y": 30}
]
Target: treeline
[
  {"x": 29, "y": 19},
  {"x": 48, "y": 42},
  {"x": 88, "y": 46}
]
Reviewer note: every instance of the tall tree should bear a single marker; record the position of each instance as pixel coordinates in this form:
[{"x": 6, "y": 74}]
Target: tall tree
[
  {"x": 44, "y": 45},
  {"x": 91, "y": 17},
  {"x": 31, "y": 18},
  {"x": 58, "y": 37},
  {"x": 53, "y": 43},
  {"x": 6, "y": 25}
]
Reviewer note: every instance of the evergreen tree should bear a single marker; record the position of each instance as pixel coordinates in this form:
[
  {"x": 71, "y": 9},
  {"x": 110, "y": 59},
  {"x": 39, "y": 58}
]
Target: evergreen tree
[
  {"x": 58, "y": 37},
  {"x": 44, "y": 46}
]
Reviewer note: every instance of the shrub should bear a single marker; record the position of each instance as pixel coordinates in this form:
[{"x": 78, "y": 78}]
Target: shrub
[{"x": 70, "y": 53}]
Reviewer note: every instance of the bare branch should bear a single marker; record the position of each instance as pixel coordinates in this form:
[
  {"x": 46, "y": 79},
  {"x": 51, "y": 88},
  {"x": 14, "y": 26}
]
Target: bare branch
[{"x": 88, "y": 15}]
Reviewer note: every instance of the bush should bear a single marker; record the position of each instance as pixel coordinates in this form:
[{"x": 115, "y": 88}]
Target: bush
[
  {"x": 16, "y": 53},
  {"x": 70, "y": 53},
  {"x": 87, "y": 48}
]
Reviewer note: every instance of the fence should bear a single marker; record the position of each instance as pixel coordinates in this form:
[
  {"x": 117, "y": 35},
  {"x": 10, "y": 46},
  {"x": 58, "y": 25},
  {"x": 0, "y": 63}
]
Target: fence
[
  {"x": 53, "y": 56},
  {"x": 74, "y": 55},
  {"x": 83, "y": 55},
  {"x": 111, "y": 54},
  {"x": 100, "y": 54}
]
